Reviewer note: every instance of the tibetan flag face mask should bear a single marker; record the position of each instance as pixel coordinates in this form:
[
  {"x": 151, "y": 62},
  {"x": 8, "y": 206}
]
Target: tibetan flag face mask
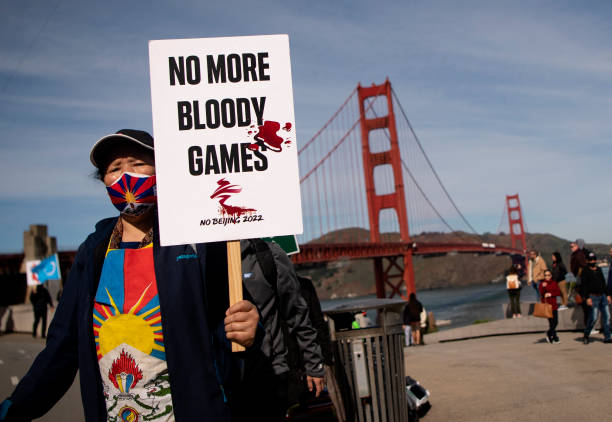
[{"x": 133, "y": 194}]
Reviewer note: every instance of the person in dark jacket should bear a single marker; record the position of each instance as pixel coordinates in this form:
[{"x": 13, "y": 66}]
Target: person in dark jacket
[
  {"x": 558, "y": 271},
  {"x": 143, "y": 324},
  {"x": 412, "y": 317},
  {"x": 578, "y": 260},
  {"x": 597, "y": 298},
  {"x": 513, "y": 286},
  {"x": 40, "y": 298},
  {"x": 549, "y": 291},
  {"x": 577, "y": 266},
  {"x": 609, "y": 272},
  {"x": 271, "y": 283}
]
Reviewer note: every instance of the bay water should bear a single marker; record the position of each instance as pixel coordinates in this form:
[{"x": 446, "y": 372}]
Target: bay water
[{"x": 461, "y": 305}]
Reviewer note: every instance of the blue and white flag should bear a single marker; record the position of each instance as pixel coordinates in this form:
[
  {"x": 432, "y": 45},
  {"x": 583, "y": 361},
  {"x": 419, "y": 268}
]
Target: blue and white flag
[{"x": 48, "y": 269}]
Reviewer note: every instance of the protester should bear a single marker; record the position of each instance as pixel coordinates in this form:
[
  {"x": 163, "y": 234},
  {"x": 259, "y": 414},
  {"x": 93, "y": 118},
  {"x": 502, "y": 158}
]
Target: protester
[
  {"x": 558, "y": 273},
  {"x": 513, "y": 285},
  {"x": 271, "y": 283},
  {"x": 40, "y": 298},
  {"x": 535, "y": 271},
  {"x": 597, "y": 298},
  {"x": 412, "y": 318},
  {"x": 549, "y": 290},
  {"x": 135, "y": 318}
]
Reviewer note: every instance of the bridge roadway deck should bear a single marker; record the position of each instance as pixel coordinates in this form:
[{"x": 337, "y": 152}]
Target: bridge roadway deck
[{"x": 321, "y": 252}]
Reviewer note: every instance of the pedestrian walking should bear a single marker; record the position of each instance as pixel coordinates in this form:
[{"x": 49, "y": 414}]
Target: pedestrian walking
[
  {"x": 549, "y": 291},
  {"x": 513, "y": 285},
  {"x": 412, "y": 318},
  {"x": 558, "y": 271},
  {"x": 40, "y": 299},
  {"x": 578, "y": 264},
  {"x": 597, "y": 298}
]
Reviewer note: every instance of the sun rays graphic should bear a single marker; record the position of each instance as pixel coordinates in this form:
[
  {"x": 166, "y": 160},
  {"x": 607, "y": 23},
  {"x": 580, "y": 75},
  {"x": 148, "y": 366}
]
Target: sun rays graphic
[{"x": 131, "y": 316}]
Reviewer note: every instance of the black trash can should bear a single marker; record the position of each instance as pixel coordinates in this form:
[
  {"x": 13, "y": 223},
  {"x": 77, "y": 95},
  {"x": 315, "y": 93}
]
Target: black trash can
[{"x": 372, "y": 358}]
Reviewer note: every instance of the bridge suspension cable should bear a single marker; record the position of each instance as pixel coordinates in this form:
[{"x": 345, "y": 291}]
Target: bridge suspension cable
[
  {"x": 418, "y": 142},
  {"x": 332, "y": 118},
  {"x": 333, "y": 185},
  {"x": 334, "y": 148}
]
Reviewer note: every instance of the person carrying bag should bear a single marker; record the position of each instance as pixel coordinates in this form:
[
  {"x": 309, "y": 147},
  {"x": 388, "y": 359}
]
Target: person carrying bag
[{"x": 549, "y": 291}]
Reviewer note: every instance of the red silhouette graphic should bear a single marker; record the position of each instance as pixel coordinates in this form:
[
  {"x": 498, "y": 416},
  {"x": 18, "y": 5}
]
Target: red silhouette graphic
[
  {"x": 267, "y": 136},
  {"x": 223, "y": 193}
]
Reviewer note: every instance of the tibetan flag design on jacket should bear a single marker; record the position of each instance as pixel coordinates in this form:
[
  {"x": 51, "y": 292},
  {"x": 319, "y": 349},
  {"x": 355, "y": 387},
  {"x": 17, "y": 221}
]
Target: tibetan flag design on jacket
[{"x": 127, "y": 328}]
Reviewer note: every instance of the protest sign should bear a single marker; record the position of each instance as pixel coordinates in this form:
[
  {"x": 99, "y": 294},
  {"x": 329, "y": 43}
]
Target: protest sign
[
  {"x": 225, "y": 139},
  {"x": 225, "y": 143}
]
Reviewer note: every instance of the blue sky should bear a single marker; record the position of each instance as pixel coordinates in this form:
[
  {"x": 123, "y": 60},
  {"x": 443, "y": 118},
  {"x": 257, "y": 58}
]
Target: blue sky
[{"x": 506, "y": 97}]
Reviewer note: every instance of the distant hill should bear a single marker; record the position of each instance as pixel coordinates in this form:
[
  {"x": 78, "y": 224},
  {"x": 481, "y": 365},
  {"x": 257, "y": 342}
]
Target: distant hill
[{"x": 356, "y": 277}]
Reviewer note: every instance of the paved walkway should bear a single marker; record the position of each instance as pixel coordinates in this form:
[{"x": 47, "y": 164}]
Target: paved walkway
[
  {"x": 492, "y": 379},
  {"x": 515, "y": 378},
  {"x": 569, "y": 320},
  {"x": 17, "y": 352}
]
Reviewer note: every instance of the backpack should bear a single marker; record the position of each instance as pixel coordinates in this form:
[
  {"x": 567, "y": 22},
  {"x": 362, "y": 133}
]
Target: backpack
[{"x": 265, "y": 260}]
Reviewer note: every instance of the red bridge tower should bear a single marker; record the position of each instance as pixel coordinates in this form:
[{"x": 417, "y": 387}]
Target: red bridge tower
[
  {"x": 389, "y": 271},
  {"x": 515, "y": 221}
]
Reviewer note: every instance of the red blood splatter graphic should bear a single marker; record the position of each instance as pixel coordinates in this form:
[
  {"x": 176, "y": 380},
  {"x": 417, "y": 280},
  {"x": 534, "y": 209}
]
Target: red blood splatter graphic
[
  {"x": 267, "y": 136},
  {"x": 223, "y": 193}
]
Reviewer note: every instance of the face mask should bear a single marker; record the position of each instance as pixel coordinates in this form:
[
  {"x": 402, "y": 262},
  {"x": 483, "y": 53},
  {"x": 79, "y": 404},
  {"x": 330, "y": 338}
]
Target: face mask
[{"x": 133, "y": 194}]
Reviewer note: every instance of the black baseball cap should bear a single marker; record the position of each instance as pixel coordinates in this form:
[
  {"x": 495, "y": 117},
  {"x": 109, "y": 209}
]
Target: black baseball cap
[
  {"x": 592, "y": 257},
  {"x": 100, "y": 148}
]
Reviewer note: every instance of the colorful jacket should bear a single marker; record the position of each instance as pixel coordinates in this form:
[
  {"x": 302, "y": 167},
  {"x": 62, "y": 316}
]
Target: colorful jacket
[{"x": 196, "y": 349}]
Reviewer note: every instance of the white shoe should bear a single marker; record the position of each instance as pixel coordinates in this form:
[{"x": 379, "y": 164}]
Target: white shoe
[
  {"x": 562, "y": 308},
  {"x": 594, "y": 331}
]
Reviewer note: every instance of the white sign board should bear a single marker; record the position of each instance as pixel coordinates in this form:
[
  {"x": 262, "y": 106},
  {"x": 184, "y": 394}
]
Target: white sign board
[
  {"x": 32, "y": 278},
  {"x": 225, "y": 139}
]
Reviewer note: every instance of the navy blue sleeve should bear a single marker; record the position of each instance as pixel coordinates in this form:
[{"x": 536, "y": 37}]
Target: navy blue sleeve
[{"x": 54, "y": 369}]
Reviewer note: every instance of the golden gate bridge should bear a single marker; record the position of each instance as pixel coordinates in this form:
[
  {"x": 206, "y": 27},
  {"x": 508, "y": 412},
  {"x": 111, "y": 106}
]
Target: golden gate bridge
[
  {"x": 366, "y": 168},
  {"x": 369, "y": 191}
]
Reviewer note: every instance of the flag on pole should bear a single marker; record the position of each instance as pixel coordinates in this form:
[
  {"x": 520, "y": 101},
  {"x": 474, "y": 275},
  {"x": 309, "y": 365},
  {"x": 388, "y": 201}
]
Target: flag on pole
[{"x": 48, "y": 269}]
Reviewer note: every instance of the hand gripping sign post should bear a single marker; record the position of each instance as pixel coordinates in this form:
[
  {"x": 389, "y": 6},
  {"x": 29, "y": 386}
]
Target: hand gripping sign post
[{"x": 225, "y": 142}]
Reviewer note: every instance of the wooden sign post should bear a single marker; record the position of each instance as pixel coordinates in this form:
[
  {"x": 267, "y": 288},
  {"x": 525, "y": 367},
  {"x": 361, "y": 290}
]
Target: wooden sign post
[
  {"x": 225, "y": 142},
  {"x": 234, "y": 274}
]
